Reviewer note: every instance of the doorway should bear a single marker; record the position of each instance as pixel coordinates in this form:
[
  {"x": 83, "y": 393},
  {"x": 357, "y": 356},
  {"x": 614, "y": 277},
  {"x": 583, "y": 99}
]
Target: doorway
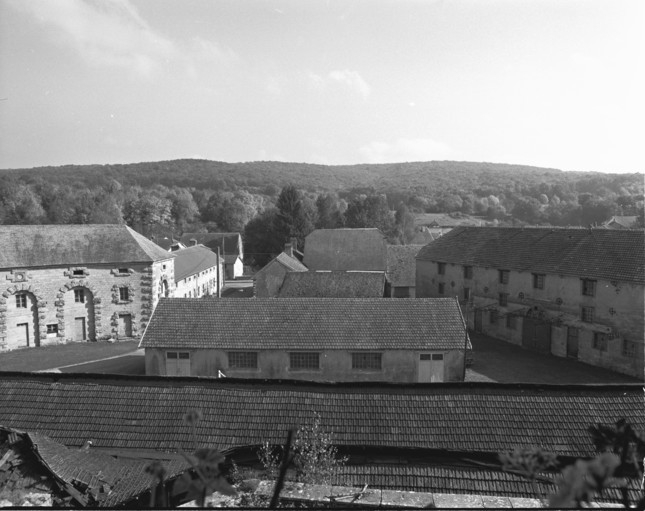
[
  {"x": 23, "y": 334},
  {"x": 124, "y": 327},
  {"x": 572, "y": 342},
  {"x": 80, "y": 333},
  {"x": 431, "y": 367}
]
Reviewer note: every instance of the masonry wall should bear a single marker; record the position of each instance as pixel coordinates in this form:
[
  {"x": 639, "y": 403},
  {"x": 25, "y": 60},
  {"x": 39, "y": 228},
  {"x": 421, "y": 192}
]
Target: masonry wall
[
  {"x": 335, "y": 365},
  {"x": 55, "y": 313},
  {"x": 203, "y": 283},
  {"x": 618, "y": 310}
]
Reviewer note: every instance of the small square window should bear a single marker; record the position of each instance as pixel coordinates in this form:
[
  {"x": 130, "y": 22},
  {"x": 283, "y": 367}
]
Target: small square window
[
  {"x": 21, "y": 301},
  {"x": 123, "y": 271},
  {"x": 468, "y": 272},
  {"x": 442, "y": 288},
  {"x": 242, "y": 360},
  {"x": 441, "y": 268},
  {"x": 78, "y": 273},
  {"x": 366, "y": 361},
  {"x": 587, "y": 314},
  {"x": 52, "y": 329},
  {"x": 588, "y": 287},
  {"x": 124, "y": 294},
  {"x": 79, "y": 295},
  {"x": 600, "y": 341},
  {"x": 629, "y": 348},
  {"x": 503, "y": 299},
  {"x": 466, "y": 293},
  {"x": 493, "y": 317},
  {"x": 538, "y": 281},
  {"x": 304, "y": 361},
  {"x": 503, "y": 276}
]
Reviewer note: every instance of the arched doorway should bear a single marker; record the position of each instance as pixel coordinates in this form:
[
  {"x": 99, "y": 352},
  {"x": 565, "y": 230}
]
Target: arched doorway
[
  {"x": 163, "y": 289},
  {"x": 79, "y": 315},
  {"x": 22, "y": 320}
]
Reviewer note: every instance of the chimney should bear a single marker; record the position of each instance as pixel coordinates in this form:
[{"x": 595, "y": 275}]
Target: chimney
[
  {"x": 294, "y": 243},
  {"x": 288, "y": 249},
  {"x": 193, "y": 242}
]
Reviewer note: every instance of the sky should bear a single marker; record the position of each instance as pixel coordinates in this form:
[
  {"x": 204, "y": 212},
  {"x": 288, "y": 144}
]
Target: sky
[{"x": 551, "y": 83}]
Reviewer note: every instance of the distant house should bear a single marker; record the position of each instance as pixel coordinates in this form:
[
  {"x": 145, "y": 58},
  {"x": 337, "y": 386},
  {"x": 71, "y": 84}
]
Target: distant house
[
  {"x": 621, "y": 222},
  {"x": 229, "y": 244},
  {"x": 570, "y": 292},
  {"x": 198, "y": 272},
  {"x": 67, "y": 283},
  {"x": 333, "y": 284},
  {"x": 345, "y": 250},
  {"x": 267, "y": 281},
  {"x": 401, "y": 269},
  {"x": 330, "y": 339}
]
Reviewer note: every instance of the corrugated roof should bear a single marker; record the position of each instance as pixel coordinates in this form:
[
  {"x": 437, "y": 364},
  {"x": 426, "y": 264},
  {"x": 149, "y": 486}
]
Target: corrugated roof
[
  {"x": 228, "y": 242},
  {"x": 614, "y": 255},
  {"x": 401, "y": 264},
  {"x": 192, "y": 260},
  {"x": 345, "y": 250},
  {"x": 26, "y": 246},
  {"x": 306, "y": 323},
  {"x": 333, "y": 284},
  {"x": 147, "y": 412}
]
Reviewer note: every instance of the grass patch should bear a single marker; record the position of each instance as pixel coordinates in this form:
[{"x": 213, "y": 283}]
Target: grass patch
[{"x": 50, "y": 357}]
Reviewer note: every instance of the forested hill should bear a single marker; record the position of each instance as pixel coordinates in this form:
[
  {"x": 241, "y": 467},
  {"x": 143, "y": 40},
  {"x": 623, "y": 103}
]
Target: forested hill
[{"x": 418, "y": 177}]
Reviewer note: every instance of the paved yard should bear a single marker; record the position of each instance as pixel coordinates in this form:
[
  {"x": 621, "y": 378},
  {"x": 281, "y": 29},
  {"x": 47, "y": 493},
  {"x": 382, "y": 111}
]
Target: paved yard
[{"x": 499, "y": 361}]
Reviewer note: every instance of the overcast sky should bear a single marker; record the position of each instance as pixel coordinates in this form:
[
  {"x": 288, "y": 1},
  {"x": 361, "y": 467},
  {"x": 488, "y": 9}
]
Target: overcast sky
[{"x": 554, "y": 83}]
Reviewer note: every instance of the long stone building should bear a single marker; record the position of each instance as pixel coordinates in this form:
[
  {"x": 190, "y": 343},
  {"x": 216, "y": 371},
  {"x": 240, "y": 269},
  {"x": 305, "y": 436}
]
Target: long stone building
[
  {"x": 570, "y": 292},
  {"x": 64, "y": 283}
]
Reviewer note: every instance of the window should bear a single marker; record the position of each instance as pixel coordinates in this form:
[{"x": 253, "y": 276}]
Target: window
[
  {"x": 588, "y": 287},
  {"x": 510, "y": 321},
  {"x": 177, "y": 363},
  {"x": 503, "y": 276},
  {"x": 79, "y": 295},
  {"x": 493, "y": 317},
  {"x": 78, "y": 273},
  {"x": 441, "y": 268},
  {"x": 123, "y": 271},
  {"x": 600, "y": 341},
  {"x": 21, "y": 301},
  {"x": 242, "y": 360},
  {"x": 124, "y": 294},
  {"x": 587, "y": 314},
  {"x": 366, "y": 361},
  {"x": 468, "y": 272},
  {"x": 442, "y": 288},
  {"x": 538, "y": 281},
  {"x": 629, "y": 348},
  {"x": 503, "y": 299},
  {"x": 304, "y": 360},
  {"x": 466, "y": 293},
  {"x": 52, "y": 329}
]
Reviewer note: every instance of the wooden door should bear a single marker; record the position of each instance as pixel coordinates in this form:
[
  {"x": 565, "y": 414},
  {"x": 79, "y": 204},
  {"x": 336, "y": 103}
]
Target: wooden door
[
  {"x": 124, "y": 328},
  {"x": 430, "y": 367},
  {"x": 572, "y": 342},
  {"x": 23, "y": 334},
  {"x": 79, "y": 329},
  {"x": 536, "y": 335}
]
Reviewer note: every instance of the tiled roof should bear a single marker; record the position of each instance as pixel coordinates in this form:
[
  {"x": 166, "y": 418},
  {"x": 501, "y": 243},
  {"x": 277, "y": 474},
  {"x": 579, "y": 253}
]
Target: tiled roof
[
  {"x": 345, "y": 250},
  {"x": 443, "y": 220},
  {"x": 192, "y": 260},
  {"x": 401, "y": 264},
  {"x": 306, "y": 323},
  {"x": 24, "y": 246},
  {"x": 147, "y": 412},
  {"x": 102, "y": 479},
  {"x": 333, "y": 284},
  {"x": 614, "y": 255},
  {"x": 228, "y": 242},
  {"x": 290, "y": 263}
]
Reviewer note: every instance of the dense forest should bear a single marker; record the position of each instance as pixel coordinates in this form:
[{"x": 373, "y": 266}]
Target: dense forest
[{"x": 271, "y": 201}]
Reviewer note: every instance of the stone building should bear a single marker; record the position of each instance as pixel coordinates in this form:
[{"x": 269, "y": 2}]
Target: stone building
[
  {"x": 267, "y": 281},
  {"x": 229, "y": 245},
  {"x": 571, "y": 292},
  {"x": 198, "y": 272},
  {"x": 63, "y": 283}
]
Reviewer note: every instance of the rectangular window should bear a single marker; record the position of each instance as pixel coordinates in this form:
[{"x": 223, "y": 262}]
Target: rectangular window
[
  {"x": 538, "y": 281},
  {"x": 304, "y": 360},
  {"x": 588, "y": 287},
  {"x": 493, "y": 317},
  {"x": 466, "y": 293},
  {"x": 600, "y": 341},
  {"x": 366, "y": 361},
  {"x": 510, "y": 321},
  {"x": 242, "y": 360},
  {"x": 587, "y": 314},
  {"x": 124, "y": 271},
  {"x": 503, "y": 276},
  {"x": 52, "y": 329},
  {"x": 442, "y": 288},
  {"x": 21, "y": 301},
  {"x": 468, "y": 272},
  {"x": 629, "y": 348},
  {"x": 124, "y": 294},
  {"x": 177, "y": 363},
  {"x": 78, "y": 273},
  {"x": 503, "y": 299},
  {"x": 79, "y": 295},
  {"x": 441, "y": 268}
]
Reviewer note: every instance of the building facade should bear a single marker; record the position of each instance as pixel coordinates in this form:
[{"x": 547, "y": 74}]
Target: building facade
[
  {"x": 198, "y": 272},
  {"x": 229, "y": 245},
  {"x": 319, "y": 339},
  {"x": 570, "y": 292},
  {"x": 268, "y": 281},
  {"x": 70, "y": 283}
]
